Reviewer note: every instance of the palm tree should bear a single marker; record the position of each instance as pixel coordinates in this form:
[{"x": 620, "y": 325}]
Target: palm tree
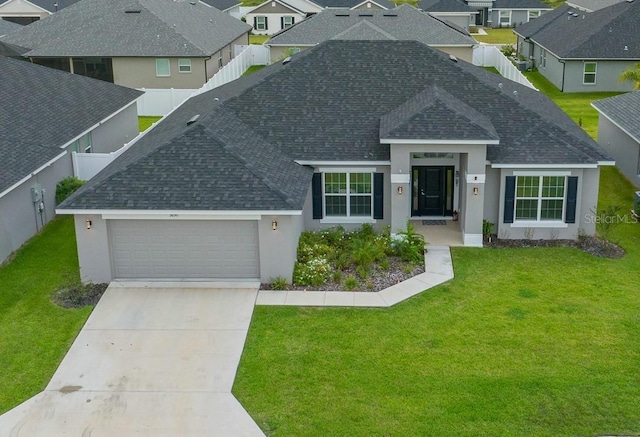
[{"x": 631, "y": 75}]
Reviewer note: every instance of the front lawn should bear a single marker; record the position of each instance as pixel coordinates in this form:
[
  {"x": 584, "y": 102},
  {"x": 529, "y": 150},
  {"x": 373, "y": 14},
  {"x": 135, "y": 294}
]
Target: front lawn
[
  {"x": 497, "y": 36},
  {"x": 576, "y": 105},
  {"x": 258, "y": 39},
  {"x": 536, "y": 342},
  {"x": 35, "y": 334}
]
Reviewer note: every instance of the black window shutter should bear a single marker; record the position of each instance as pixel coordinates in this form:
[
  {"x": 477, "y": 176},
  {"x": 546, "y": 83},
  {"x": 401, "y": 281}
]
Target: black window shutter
[
  {"x": 378, "y": 195},
  {"x": 255, "y": 23},
  {"x": 316, "y": 195},
  {"x": 281, "y": 22},
  {"x": 293, "y": 20},
  {"x": 266, "y": 23},
  {"x": 572, "y": 193},
  {"x": 509, "y": 198}
]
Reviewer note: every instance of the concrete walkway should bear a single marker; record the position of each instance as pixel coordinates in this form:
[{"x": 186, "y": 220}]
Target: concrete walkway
[
  {"x": 149, "y": 362},
  {"x": 438, "y": 269}
]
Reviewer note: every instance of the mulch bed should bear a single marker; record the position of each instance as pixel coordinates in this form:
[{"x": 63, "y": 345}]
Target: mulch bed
[
  {"x": 593, "y": 245},
  {"x": 78, "y": 295}
]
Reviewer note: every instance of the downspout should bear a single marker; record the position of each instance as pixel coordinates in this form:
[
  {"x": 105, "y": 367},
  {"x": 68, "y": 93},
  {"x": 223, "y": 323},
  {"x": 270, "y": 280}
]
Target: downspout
[
  {"x": 564, "y": 66},
  {"x": 206, "y": 78}
]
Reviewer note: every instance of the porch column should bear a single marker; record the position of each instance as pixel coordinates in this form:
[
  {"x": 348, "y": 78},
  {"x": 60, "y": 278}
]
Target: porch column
[
  {"x": 400, "y": 187},
  {"x": 474, "y": 173}
]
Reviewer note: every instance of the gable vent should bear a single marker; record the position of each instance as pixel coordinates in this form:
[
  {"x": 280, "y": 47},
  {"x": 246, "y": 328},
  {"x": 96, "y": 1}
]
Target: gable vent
[{"x": 193, "y": 119}]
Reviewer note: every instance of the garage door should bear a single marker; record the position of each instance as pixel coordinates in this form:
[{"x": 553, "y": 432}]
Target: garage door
[{"x": 160, "y": 249}]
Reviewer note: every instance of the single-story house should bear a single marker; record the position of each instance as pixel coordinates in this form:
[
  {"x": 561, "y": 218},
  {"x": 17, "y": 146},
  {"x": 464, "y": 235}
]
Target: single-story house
[
  {"x": 231, "y": 7},
  {"x": 513, "y": 13},
  {"x": 47, "y": 114},
  {"x": 345, "y": 133},
  {"x": 25, "y": 12},
  {"x": 453, "y": 11},
  {"x": 273, "y": 16},
  {"x": 619, "y": 131},
  {"x": 135, "y": 43},
  {"x": 402, "y": 23},
  {"x": 581, "y": 51},
  {"x": 591, "y": 5}
]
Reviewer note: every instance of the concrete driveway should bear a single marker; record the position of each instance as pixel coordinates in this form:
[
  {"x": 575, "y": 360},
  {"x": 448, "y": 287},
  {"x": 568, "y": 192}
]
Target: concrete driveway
[{"x": 150, "y": 361}]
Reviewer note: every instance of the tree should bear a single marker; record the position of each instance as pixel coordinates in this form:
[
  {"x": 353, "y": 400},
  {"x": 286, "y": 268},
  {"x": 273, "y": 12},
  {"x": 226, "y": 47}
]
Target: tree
[{"x": 631, "y": 75}]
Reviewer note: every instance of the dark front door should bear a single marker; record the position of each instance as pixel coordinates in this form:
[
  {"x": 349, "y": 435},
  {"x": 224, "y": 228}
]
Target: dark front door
[{"x": 432, "y": 191}]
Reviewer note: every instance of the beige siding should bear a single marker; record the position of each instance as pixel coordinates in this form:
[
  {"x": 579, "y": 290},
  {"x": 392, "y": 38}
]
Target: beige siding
[
  {"x": 368, "y": 5},
  {"x": 227, "y": 52},
  {"x": 141, "y": 73},
  {"x": 21, "y": 8},
  {"x": 464, "y": 53},
  {"x": 272, "y": 8}
]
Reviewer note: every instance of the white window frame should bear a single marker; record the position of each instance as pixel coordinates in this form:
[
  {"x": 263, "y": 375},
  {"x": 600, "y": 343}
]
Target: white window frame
[
  {"x": 543, "y": 58},
  {"x": 285, "y": 18},
  {"x": 538, "y": 220},
  {"x": 168, "y": 64},
  {"x": 531, "y": 11},
  {"x": 585, "y": 73},
  {"x": 261, "y": 26},
  {"x": 220, "y": 59},
  {"x": 184, "y": 65},
  {"x": 348, "y": 218},
  {"x": 500, "y": 16}
]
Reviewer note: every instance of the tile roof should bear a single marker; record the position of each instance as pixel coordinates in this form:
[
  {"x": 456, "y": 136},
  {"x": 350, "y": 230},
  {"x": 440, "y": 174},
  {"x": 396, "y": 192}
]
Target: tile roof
[
  {"x": 43, "y": 109},
  {"x": 327, "y": 103},
  {"x": 520, "y": 4},
  {"x": 130, "y": 28},
  {"x": 403, "y": 23},
  {"x": 609, "y": 33},
  {"x": 445, "y": 6},
  {"x": 623, "y": 110}
]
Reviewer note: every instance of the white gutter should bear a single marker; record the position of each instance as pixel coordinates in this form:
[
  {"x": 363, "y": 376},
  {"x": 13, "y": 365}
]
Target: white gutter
[
  {"x": 129, "y": 214},
  {"x": 615, "y": 124},
  {"x": 455, "y": 142},
  {"x": 32, "y": 174}
]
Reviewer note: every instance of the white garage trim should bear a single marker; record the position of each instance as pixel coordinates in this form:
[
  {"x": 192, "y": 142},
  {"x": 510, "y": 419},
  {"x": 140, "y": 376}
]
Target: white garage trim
[
  {"x": 114, "y": 214},
  {"x": 170, "y": 250}
]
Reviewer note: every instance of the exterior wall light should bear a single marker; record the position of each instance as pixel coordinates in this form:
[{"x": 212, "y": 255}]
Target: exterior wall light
[
  {"x": 400, "y": 190},
  {"x": 274, "y": 225},
  {"x": 89, "y": 224},
  {"x": 475, "y": 191}
]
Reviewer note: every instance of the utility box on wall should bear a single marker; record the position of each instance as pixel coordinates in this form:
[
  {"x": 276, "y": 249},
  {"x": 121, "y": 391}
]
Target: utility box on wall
[{"x": 36, "y": 193}]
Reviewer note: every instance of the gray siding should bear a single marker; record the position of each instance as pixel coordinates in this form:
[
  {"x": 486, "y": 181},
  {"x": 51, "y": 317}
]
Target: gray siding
[
  {"x": 606, "y": 76},
  {"x": 492, "y": 195},
  {"x": 553, "y": 70},
  {"x": 118, "y": 130},
  {"x": 624, "y": 149},
  {"x": 278, "y": 249},
  {"x": 459, "y": 20},
  {"x": 17, "y": 215}
]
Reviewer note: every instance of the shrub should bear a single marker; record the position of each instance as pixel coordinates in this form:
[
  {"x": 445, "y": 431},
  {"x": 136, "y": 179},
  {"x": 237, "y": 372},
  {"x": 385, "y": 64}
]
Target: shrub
[
  {"x": 66, "y": 187},
  {"x": 409, "y": 245},
  {"x": 350, "y": 283},
  {"x": 507, "y": 50},
  {"x": 278, "y": 283},
  {"x": 314, "y": 272}
]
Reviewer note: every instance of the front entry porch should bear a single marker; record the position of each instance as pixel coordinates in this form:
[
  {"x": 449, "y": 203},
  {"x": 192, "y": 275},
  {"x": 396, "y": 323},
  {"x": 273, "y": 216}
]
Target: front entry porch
[{"x": 447, "y": 234}]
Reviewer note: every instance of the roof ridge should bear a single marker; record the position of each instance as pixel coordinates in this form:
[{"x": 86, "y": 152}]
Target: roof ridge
[{"x": 364, "y": 22}]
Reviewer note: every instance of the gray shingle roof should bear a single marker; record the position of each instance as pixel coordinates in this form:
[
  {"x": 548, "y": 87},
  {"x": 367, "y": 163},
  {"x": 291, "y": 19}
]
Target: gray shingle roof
[
  {"x": 7, "y": 27},
  {"x": 105, "y": 28},
  {"x": 403, "y": 23},
  {"x": 624, "y": 110},
  {"x": 609, "y": 33},
  {"x": 592, "y": 5},
  {"x": 50, "y": 5},
  {"x": 520, "y": 4},
  {"x": 43, "y": 109},
  {"x": 445, "y": 6},
  {"x": 221, "y": 5},
  {"x": 348, "y": 4},
  {"x": 327, "y": 104}
]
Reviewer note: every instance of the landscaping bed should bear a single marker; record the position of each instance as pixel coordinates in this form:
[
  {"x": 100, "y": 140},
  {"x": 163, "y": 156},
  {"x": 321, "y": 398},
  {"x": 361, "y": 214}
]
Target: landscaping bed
[
  {"x": 362, "y": 260},
  {"x": 78, "y": 295},
  {"x": 594, "y": 245}
]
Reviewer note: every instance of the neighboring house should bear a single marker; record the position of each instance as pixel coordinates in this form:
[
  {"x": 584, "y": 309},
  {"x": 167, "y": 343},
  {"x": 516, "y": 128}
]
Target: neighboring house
[
  {"x": 513, "y": 13},
  {"x": 25, "y": 12},
  {"x": 580, "y": 51},
  {"x": 619, "y": 131},
  {"x": 231, "y": 7},
  {"x": 135, "y": 43},
  {"x": 7, "y": 27},
  {"x": 403, "y": 23},
  {"x": 44, "y": 116},
  {"x": 454, "y": 11},
  {"x": 273, "y": 16},
  {"x": 345, "y": 133},
  {"x": 591, "y": 5}
]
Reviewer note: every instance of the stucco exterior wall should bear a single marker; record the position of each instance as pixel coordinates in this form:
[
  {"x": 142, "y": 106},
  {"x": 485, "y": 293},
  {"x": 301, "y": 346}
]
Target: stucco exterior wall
[
  {"x": 212, "y": 66},
  {"x": 17, "y": 214},
  {"x": 624, "y": 149},
  {"x": 586, "y": 202},
  {"x": 278, "y": 249},
  {"x": 141, "y": 73},
  {"x": 118, "y": 130},
  {"x": 492, "y": 195},
  {"x": 553, "y": 70},
  {"x": 21, "y": 8},
  {"x": 606, "y": 76},
  {"x": 273, "y": 17},
  {"x": 93, "y": 249},
  {"x": 464, "y": 53},
  {"x": 457, "y": 19},
  {"x": 309, "y": 223}
]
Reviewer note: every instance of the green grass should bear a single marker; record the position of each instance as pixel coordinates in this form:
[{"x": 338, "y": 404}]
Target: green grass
[
  {"x": 258, "y": 39},
  {"x": 35, "y": 334},
  {"x": 576, "y": 105},
  {"x": 145, "y": 122},
  {"x": 253, "y": 69},
  {"x": 492, "y": 69},
  {"x": 497, "y": 36},
  {"x": 536, "y": 342}
]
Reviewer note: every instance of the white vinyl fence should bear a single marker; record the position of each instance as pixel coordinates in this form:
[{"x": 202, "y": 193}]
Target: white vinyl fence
[
  {"x": 491, "y": 56},
  {"x": 160, "y": 102}
]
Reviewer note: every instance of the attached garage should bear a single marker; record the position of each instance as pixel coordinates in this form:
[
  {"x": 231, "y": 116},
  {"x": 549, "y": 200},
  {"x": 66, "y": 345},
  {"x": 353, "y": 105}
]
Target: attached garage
[{"x": 179, "y": 249}]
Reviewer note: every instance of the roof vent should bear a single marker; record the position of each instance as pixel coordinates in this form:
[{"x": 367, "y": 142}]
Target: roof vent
[
  {"x": 626, "y": 48},
  {"x": 629, "y": 1},
  {"x": 193, "y": 3},
  {"x": 366, "y": 14},
  {"x": 574, "y": 14},
  {"x": 193, "y": 119},
  {"x": 515, "y": 93},
  {"x": 500, "y": 85},
  {"x": 342, "y": 14},
  {"x": 453, "y": 58},
  {"x": 389, "y": 14},
  {"x": 286, "y": 60},
  {"x": 132, "y": 11}
]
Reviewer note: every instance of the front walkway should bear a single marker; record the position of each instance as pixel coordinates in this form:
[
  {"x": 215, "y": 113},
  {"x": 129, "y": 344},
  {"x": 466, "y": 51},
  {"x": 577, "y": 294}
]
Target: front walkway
[
  {"x": 438, "y": 269},
  {"x": 149, "y": 362}
]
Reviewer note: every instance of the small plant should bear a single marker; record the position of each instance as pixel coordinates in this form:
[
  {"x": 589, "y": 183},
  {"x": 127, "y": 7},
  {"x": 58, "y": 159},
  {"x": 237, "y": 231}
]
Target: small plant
[
  {"x": 384, "y": 264},
  {"x": 350, "y": 283},
  {"x": 607, "y": 220},
  {"x": 407, "y": 269},
  {"x": 554, "y": 234},
  {"x": 529, "y": 233},
  {"x": 409, "y": 245},
  {"x": 336, "y": 276},
  {"x": 66, "y": 187},
  {"x": 487, "y": 228},
  {"x": 278, "y": 283},
  {"x": 362, "y": 271},
  {"x": 507, "y": 50},
  {"x": 313, "y": 272}
]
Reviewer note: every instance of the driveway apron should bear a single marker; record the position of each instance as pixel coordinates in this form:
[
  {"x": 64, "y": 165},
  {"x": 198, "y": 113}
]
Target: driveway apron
[{"x": 150, "y": 361}]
